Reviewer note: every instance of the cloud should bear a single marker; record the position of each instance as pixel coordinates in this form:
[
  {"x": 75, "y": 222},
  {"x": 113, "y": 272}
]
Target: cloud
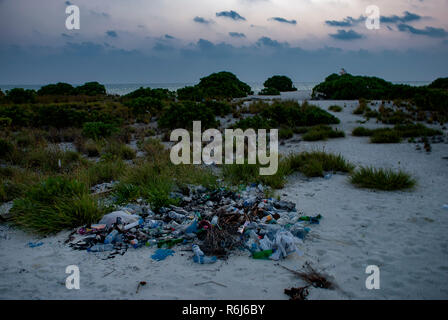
[
  {"x": 112, "y": 34},
  {"x": 407, "y": 17},
  {"x": 346, "y": 22},
  {"x": 237, "y": 35},
  {"x": 230, "y": 14},
  {"x": 350, "y": 21},
  {"x": 283, "y": 20},
  {"x": 268, "y": 42},
  {"x": 99, "y": 14},
  {"x": 346, "y": 35},
  {"x": 202, "y": 20},
  {"x": 428, "y": 31}
]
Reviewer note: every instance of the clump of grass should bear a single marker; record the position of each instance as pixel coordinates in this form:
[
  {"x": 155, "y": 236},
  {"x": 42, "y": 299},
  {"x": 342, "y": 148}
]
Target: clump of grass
[
  {"x": 311, "y": 164},
  {"x": 362, "y": 107},
  {"x": 285, "y": 133},
  {"x": 100, "y": 172},
  {"x": 362, "y": 132},
  {"x": 322, "y": 132},
  {"x": 118, "y": 150},
  {"x": 335, "y": 108},
  {"x": 315, "y": 163},
  {"x": 416, "y": 130},
  {"x": 56, "y": 204},
  {"x": 382, "y": 179},
  {"x": 385, "y": 136}
]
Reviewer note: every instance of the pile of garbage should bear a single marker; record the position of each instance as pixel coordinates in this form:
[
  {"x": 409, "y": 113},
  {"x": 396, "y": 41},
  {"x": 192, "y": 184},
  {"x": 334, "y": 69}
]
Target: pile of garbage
[{"x": 212, "y": 222}]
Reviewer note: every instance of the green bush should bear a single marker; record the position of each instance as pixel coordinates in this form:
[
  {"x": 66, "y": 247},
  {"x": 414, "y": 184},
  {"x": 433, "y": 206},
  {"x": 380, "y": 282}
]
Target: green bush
[
  {"x": 182, "y": 114},
  {"x": 54, "y": 205},
  {"x": 385, "y": 136},
  {"x": 91, "y": 89},
  {"x": 60, "y": 89},
  {"x": 5, "y": 122},
  {"x": 255, "y": 122},
  {"x": 322, "y": 132},
  {"x": 96, "y": 130},
  {"x": 285, "y": 133},
  {"x": 221, "y": 85},
  {"x": 269, "y": 92},
  {"x": 439, "y": 83},
  {"x": 125, "y": 192},
  {"x": 158, "y": 94},
  {"x": 20, "y": 95},
  {"x": 362, "y": 132},
  {"x": 219, "y": 108},
  {"x": 416, "y": 130},
  {"x": 382, "y": 179},
  {"x": 5, "y": 148},
  {"x": 280, "y": 83}
]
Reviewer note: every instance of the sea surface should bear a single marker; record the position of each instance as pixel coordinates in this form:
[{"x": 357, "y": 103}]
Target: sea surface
[{"x": 124, "y": 88}]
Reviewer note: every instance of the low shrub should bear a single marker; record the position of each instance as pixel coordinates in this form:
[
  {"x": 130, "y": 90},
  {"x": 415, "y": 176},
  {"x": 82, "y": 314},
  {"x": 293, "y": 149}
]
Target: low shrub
[
  {"x": 385, "y": 135},
  {"x": 382, "y": 179},
  {"x": 362, "y": 132},
  {"x": 269, "y": 92},
  {"x": 96, "y": 130},
  {"x": 322, "y": 132},
  {"x": 56, "y": 204}
]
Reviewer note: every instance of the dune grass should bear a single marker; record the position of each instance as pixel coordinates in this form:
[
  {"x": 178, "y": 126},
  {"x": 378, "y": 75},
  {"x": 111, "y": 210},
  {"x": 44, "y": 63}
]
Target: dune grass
[
  {"x": 382, "y": 179},
  {"x": 311, "y": 164},
  {"x": 322, "y": 132},
  {"x": 56, "y": 204}
]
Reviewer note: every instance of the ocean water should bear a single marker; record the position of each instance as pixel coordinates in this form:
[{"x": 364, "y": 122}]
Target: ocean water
[{"x": 124, "y": 88}]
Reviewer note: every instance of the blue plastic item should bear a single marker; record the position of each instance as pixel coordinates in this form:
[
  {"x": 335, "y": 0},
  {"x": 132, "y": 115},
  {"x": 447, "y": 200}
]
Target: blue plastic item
[
  {"x": 161, "y": 254},
  {"x": 35, "y": 244},
  {"x": 193, "y": 227},
  {"x": 204, "y": 259}
]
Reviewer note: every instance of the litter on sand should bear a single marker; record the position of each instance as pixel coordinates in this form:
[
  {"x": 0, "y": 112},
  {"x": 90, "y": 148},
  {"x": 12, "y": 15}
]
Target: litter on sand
[{"x": 211, "y": 222}]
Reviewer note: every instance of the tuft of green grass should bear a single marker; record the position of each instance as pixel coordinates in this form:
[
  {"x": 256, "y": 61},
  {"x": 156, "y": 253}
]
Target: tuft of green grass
[
  {"x": 382, "y": 179},
  {"x": 56, "y": 204},
  {"x": 335, "y": 108},
  {"x": 322, "y": 132},
  {"x": 385, "y": 136},
  {"x": 285, "y": 133},
  {"x": 114, "y": 150},
  {"x": 311, "y": 164},
  {"x": 362, "y": 132}
]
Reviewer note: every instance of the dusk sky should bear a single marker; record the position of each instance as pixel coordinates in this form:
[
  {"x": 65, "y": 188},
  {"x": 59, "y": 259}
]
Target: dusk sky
[{"x": 131, "y": 41}]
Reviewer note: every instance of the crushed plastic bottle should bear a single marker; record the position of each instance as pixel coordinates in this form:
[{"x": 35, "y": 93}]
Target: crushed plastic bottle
[
  {"x": 111, "y": 237},
  {"x": 100, "y": 247}
]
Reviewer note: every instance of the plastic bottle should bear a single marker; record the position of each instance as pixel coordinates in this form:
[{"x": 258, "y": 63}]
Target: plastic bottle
[
  {"x": 133, "y": 224},
  {"x": 199, "y": 256},
  {"x": 111, "y": 237},
  {"x": 100, "y": 247}
]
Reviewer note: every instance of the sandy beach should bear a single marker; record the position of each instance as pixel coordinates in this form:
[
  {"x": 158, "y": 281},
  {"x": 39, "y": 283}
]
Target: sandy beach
[{"x": 401, "y": 232}]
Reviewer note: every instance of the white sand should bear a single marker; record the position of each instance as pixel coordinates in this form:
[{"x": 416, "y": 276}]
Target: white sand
[{"x": 404, "y": 233}]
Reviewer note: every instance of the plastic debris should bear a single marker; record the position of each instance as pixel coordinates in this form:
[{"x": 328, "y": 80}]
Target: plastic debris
[
  {"x": 217, "y": 221},
  {"x": 35, "y": 244},
  {"x": 161, "y": 254}
]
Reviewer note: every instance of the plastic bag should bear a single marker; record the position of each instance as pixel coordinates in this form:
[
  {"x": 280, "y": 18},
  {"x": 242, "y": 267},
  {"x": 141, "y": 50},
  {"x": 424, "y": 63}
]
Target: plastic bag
[
  {"x": 286, "y": 244},
  {"x": 110, "y": 218}
]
